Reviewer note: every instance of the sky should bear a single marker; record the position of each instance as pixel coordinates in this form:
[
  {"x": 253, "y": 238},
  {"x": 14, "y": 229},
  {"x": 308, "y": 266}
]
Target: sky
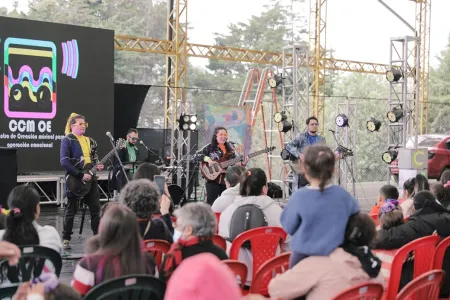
[{"x": 358, "y": 30}]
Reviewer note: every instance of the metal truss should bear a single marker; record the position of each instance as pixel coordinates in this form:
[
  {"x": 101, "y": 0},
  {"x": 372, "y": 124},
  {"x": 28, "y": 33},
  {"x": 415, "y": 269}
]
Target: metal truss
[
  {"x": 317, "y": 44},
  {"x": 346, "y": 136},
  {"x": 403, "y": 93}
]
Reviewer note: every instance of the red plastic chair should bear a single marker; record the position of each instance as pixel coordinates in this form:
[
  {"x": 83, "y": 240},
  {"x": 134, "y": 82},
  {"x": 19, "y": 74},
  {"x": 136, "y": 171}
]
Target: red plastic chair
[
  {"x": 266, "y": 272},
  {"x": 239, "y": 269},
  {"x": 264, "y": 242},
  {"x": 426, "y": 286},
  {"x": 217, "y": 221},
  {"x": 439, "y": 252},
  {"x": 421, "y": 249},
  {"x": 157, "y": 248},
  {"x": 220, "y": 241},
  {"x": 366, "y": 291},
  {"x": 375, "y": 219}
]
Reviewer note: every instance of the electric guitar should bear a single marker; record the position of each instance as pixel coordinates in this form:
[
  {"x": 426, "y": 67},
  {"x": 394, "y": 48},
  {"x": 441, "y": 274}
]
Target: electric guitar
[
  {"x": 211, "y": 172},
  {"x": 79, "y": 187}
]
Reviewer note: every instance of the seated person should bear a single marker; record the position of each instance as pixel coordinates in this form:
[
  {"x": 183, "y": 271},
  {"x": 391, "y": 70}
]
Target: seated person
[
  {"x": 387, "y": 193},
  {"x": 323, "y": 277},
  {"x": 115, "y": 251},
  {"x": 21, "y": 223},
  {"x": 194, "y": 230},
  {"x": 142, "y": 196},
  {"x": 227, "y": 197},
  {"x": 47, "y": 286},
  {"x": 390, "y": 215},
  {"x": 411, "y": 187}
]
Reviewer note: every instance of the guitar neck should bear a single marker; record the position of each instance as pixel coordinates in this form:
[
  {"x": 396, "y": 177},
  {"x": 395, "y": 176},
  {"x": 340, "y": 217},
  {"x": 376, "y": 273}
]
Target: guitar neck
[
  {"x": 102, "y": 162},
  {"x": 233, "y": 161}
]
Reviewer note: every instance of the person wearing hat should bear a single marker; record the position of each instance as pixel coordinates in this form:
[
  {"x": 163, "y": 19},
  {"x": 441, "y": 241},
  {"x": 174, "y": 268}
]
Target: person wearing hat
[{"x": 76, "y": 151}]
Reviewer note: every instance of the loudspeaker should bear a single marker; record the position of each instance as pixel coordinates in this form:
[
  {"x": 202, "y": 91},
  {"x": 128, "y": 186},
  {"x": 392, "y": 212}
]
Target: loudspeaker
[{"x": 8, "y": 178}]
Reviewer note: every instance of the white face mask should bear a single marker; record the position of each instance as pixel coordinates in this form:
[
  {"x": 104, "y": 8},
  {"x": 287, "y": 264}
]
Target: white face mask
[{"x": 176, "y": 235}]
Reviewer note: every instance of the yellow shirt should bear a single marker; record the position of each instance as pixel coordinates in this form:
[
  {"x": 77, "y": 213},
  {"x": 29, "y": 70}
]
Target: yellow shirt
[{"x": 85, "y": 143}]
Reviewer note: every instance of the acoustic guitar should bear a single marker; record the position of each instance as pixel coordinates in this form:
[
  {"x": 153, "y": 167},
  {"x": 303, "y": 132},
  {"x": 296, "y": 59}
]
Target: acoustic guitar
[
  {"x": 211, "y": 172},
  {"x": 81, "y": 188}
]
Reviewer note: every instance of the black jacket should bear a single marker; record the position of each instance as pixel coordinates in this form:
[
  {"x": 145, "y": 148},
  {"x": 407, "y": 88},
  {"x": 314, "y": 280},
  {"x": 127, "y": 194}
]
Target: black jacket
[{"x": 216, "y": 154}]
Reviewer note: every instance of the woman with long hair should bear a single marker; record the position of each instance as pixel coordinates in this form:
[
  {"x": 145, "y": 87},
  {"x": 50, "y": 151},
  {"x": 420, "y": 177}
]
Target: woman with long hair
[
  {"x": 21, "y": 226},
  {"x": 411, "y": 187},
  {"x": 119, "y": 251},
  {"x": 218, "y": 150}
]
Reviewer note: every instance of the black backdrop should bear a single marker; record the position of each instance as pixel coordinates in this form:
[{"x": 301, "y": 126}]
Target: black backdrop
[{"x": 72, "y": 64}]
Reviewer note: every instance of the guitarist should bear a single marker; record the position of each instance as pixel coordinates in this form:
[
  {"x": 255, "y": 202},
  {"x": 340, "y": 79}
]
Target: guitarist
[
  {"x": 218, "y": 150},
  {"x": 76, "y": 151}
]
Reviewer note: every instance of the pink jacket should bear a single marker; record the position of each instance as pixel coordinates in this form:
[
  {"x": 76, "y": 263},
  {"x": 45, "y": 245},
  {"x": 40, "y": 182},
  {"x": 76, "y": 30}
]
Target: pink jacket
[{"x": 320, "y": 277}]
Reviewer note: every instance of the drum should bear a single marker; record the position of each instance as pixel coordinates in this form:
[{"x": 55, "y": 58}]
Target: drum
[{"x": 176, "y": 193}]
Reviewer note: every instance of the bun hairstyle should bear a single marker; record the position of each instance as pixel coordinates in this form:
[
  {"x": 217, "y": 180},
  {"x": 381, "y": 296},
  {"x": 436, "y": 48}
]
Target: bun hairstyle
[
  {"x": 252, "y": 182},
  {"x": 319, "y": 163}
]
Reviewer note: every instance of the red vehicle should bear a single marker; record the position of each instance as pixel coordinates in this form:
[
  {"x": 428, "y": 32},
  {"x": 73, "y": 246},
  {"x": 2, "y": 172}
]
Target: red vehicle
[{"x": 438, "y": 154}]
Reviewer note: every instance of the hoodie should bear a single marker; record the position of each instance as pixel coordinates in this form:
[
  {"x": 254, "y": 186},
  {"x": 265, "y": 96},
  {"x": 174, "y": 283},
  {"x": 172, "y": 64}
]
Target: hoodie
[
  {"x": 321, "y": 277},
  {"x": 227, "y": 197},
  {"x": 189, "y": 282}
]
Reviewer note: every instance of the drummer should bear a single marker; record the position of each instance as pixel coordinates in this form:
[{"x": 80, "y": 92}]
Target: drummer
[{"x": 129, "y": 157}]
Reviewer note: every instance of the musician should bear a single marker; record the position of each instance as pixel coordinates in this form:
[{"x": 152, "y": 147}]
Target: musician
[
  {"x": 218, "y": 150},
  {"x": 78, "y": 150},
  {"x": 297, "y": 146},
  {"x": 128, "y": 155}
]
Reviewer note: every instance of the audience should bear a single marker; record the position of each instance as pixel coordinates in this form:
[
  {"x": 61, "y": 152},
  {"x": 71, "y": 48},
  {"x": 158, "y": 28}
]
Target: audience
[
  {"x": 117, "y": 251},
  {"x": 391, "y": 215},
  {"x": 194, "y": 230},
  {"x": 411, "y": 187},
  {"x": 312, "y": 209},
  {"x": 46, "y": 287},
  {"x": 21, "y": 224},
  {"x": 232, "y": 178},
  {"x": 323, "y": 277},
  {"x": 387, "y": 193},
  {"x": 142, "y": 196}
]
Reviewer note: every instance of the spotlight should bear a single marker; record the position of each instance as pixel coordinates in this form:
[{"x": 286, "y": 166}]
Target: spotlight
[
  {"x": 393, "y": 75},
  {"x": 275, "y": 81},
  {"x": 187, "y": 122},
  {"x": 395, "y": 115},
  {"x": 389, "y": 156},
  {"x": 286, "y": 155},
  {"x": 341, "y": 120},
  {"x": 373, "y": 125},
  {"x": 284, "y": 126},
  {"x": 279, "y": 116}
]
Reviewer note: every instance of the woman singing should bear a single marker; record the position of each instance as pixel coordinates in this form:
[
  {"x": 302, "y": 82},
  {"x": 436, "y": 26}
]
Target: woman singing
[{"x": 218, "y": 150}]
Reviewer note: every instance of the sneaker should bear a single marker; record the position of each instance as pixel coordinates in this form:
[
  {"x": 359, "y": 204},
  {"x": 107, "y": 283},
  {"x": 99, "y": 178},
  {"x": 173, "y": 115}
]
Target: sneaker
[{"x": 66, "y": 245}]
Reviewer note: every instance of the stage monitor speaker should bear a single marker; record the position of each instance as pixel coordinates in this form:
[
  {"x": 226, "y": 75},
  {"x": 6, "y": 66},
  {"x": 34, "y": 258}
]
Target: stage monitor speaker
[{"x": 8, "y": 179}]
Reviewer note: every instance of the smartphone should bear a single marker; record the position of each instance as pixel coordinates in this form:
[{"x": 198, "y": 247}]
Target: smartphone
[{"x": 160, "y": 181}]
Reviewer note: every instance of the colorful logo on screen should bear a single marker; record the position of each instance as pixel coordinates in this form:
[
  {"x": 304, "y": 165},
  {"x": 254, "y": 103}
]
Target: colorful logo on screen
[{"x": 29, "y": 79}]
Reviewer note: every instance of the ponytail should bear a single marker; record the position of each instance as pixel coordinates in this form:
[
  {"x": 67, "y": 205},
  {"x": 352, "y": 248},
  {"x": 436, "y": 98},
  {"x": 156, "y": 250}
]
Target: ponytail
[
  {"x": 20, "y": 230},
  {"x": 252, "y": 182},
  {"x": 319, "y": 164}
]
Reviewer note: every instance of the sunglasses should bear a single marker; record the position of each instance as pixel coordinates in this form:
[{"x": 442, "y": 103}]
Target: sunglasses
[
  {"x": 133, "y": 139},
  {"x": 82, "y": 124}
]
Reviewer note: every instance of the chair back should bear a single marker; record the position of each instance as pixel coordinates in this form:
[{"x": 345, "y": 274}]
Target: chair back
[
  {"x": 426, "y": 286},
  {"x": 31, "y": 264},
  {"x": 421, "y": 249},
  {"x": 132, "y": 287},
  {"x": 157, "y": 248},
  {"x": 439, "y": 252},
  {"x": 276, "y": 265},
  {"x": 239, "y": 269},
  {"x": 264, "y": 243},
  {"x": 220, "y": 241},
  {"x": 8, "y": 291},
  {"x": 375, "y": 219},
  {"x": 366, "y": 291},
  {"x": 217, "y": 221}
]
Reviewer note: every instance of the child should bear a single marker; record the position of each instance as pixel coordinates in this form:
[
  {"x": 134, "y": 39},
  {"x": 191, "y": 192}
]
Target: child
[
  {"x": 387, "y": 193},
  {"x": 390, "y": 215},
  {"x": 316, "y": 215}
]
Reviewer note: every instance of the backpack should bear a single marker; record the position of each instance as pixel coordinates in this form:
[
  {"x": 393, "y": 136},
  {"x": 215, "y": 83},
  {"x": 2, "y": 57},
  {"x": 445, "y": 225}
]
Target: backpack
[{"x": 246, "y": 217}]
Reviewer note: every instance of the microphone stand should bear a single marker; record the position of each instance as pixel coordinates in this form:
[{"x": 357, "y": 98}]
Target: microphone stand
[
  {"x": 116, "y": 154},
  {"x": 344, "y": 152}
]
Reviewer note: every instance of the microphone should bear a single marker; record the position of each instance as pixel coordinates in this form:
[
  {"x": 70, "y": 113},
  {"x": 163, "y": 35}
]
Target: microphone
[
  {"x": 108, "y": 134},
  {"x": 332, "y": 130},
  {"x": 142, "y": 143}
]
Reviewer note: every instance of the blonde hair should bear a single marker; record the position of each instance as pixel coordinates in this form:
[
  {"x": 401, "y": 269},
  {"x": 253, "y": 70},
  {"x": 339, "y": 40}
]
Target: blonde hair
[{"x": 72, "y": 117}]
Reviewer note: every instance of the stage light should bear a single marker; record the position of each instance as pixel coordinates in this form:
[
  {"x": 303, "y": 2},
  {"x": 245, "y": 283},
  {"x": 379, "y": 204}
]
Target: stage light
[
  {"x": 341, "y": 120},
  {"x": 395, "y": 115},
  {"x": 275, "y": 81},
  {"x": 279, "y": 116},
  {"x": 286, "y": 155},
  {"x": 187, "y": 122},
  {"x": 389, "y": 156},
  {"x": 284, "y": 126},
  {"x": 393, "y": 75},
  {"x": 373, "y": 125}
]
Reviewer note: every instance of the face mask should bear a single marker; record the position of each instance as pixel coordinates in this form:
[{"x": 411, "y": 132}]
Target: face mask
[{"x": 176, "y": 235}]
